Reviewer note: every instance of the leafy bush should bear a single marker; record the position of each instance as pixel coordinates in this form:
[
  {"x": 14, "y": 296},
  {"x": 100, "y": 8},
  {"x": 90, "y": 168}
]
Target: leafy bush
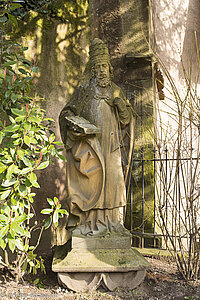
[{"x": 27, "y": 145}]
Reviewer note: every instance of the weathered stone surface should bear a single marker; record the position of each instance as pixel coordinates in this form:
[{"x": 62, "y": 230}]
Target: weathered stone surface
[
  {"x": 100, "y": 260},
  {"x": 110, "y": 241},
  {"x": 82, "y": 282},
  {"x": 95, "y": 181}
]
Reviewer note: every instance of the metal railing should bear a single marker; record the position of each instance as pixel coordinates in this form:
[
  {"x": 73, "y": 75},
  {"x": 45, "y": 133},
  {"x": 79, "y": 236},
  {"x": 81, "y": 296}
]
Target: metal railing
[{"x": 145, "y": 230}]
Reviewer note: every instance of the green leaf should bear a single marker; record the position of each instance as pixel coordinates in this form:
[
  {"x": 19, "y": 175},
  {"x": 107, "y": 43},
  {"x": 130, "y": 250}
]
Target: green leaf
[
  {"x": 51, "y": 138},
  {"x": 13, "y": 97},
  {"x": 34, "y": 119},
  {"x": 19, "y": 112},
  {"x": 16, "y": 5},
  {"x": 19, "y": 245},
  {"x": 17, "y": 142},
  {"x": 12, "y": 128},
  {"x": 26, "y": 247},
  {"x": 55, "y": 219},
  {"x": 52, "y": 150},
  {"x": 4, "y": 218},
  {"x": 3, "y": 231},
  {"x": 25, "y": 61},
  {"x": 62, "y": 211},
  {"x": 3, "y": 243},
  {"x": 8, "y": 183},
  {"x": 55, "y": 199},
  {"x": 27, "y": 140},
  {"x": 33, "y": 140},
  {"x": 36, "y": 185},
  {"x": 27, "y": 233},
  {"x": 32, "y": 177},
  {"x": 27, "y": 162},
  {"x": 61, "y": 157},
  {"x": 22, "y": 190},
  {"x": 13, "y": 19},
  {"x": 58, "y": 143},
  {"x": 44, "y": 150},
  {"x": 15, "y": 135},
  {"x": 3, "y": 19},
  {"x": 17, "y": 228},
  {"x": 22, "y": 71},
  {"x": 43, "y": 165},
  {"x": 20, "y": 153},
  {"x": 36, "y": 281},
  {"x": 48, "y": 119},
  {"x": 27, "y": 126},
  {"x": 14, "y": 201},
  {"x": 47, "y": 223},
  {"x": 25, "y": 171},
  {"x": 50, "y": 201},
  {"x": 24, "y": 267},
  {"x": 11, "y": 244},
  {"x": 2, "y": 167},
  {"x": 12, "y": 152},
  {"x": 19, "y": 119},
  {"x": 21, "y": 218},
  {"x": 5, "y": 209},
  {"x": 46, "y": 211},
  {"x": 9, "y": 63},
  {"x": 4, "y": 195},
  {"x": 28, "y": 183},
  {"x": 1, "y": 137},
  {"x": 12, "y": 169},
  {"x": 11, "y": 233}
]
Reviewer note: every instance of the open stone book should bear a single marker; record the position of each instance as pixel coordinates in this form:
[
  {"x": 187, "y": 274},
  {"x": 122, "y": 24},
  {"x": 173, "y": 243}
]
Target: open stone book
[{"x": 81, "y": 125}]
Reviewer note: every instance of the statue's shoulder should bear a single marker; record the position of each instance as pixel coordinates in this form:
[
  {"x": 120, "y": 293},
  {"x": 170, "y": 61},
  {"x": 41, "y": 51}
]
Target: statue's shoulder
[
  {"x": 117, "y": 89},
  {"x": 86, "y": 86},
  {"x": 115, "y": 86},
  {"x": 79, "y": 92},
  {"x": 82, "y": 90}
]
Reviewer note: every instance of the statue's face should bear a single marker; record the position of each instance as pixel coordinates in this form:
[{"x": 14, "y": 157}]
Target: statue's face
[{"x": 102, "y": 73}]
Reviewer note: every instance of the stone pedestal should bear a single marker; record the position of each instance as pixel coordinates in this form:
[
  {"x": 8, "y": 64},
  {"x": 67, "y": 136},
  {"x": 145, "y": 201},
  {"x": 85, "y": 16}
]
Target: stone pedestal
[{"x": 108, "y": 260}]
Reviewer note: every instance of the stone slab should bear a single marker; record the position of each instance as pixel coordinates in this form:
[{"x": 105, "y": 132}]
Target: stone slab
[
  {"x": 107, "y": 242},
  {"x": 100, "y": 260}
]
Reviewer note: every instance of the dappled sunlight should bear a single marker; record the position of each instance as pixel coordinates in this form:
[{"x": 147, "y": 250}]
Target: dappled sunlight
[{"x": 170, "y": 25}]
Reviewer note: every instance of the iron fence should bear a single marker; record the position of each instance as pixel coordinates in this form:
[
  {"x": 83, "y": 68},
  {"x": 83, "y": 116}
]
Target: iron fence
[{"x": 140, "y": 220}]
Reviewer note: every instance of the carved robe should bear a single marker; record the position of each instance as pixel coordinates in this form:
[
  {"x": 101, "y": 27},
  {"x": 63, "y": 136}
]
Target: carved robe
[{"x": 95, "y": 180}]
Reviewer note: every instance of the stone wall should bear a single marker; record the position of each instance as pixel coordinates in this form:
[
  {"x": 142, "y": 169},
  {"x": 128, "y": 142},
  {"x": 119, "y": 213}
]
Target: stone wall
[{"x": 61, "y": 50}]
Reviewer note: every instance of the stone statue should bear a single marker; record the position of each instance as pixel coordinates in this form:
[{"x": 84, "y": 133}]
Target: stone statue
[
  {"x": 99, "y": 250},
  {"x": 90, "y": 126}
]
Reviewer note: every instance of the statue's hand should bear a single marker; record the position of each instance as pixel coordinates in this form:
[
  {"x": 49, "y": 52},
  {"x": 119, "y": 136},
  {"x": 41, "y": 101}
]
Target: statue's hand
[
  {"x": 74, "y": 135},
  {"x": 77, "y": 135},
  {"x": 120, "y": 104}
]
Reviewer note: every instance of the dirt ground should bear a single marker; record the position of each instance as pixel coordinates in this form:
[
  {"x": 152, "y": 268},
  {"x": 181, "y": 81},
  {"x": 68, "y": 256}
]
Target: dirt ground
[{"x": 162, "y": 282}]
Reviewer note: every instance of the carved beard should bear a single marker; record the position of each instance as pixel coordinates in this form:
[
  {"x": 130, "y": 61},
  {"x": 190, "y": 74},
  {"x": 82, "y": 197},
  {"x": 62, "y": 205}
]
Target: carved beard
[{"x": 103, "y": 81}]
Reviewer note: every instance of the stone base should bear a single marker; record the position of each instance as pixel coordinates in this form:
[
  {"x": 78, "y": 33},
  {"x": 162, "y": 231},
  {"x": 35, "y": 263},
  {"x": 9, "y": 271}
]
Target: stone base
[
  {"x": 100, "y": 260},
  {"x": 112, "y": 240},
  {"x": 83, "y": 282},
  {"x": 87, "y": 269}
]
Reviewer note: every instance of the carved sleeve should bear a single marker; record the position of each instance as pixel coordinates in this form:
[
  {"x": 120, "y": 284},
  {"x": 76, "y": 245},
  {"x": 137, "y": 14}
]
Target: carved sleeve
[{"x": 124, "y": 109}]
